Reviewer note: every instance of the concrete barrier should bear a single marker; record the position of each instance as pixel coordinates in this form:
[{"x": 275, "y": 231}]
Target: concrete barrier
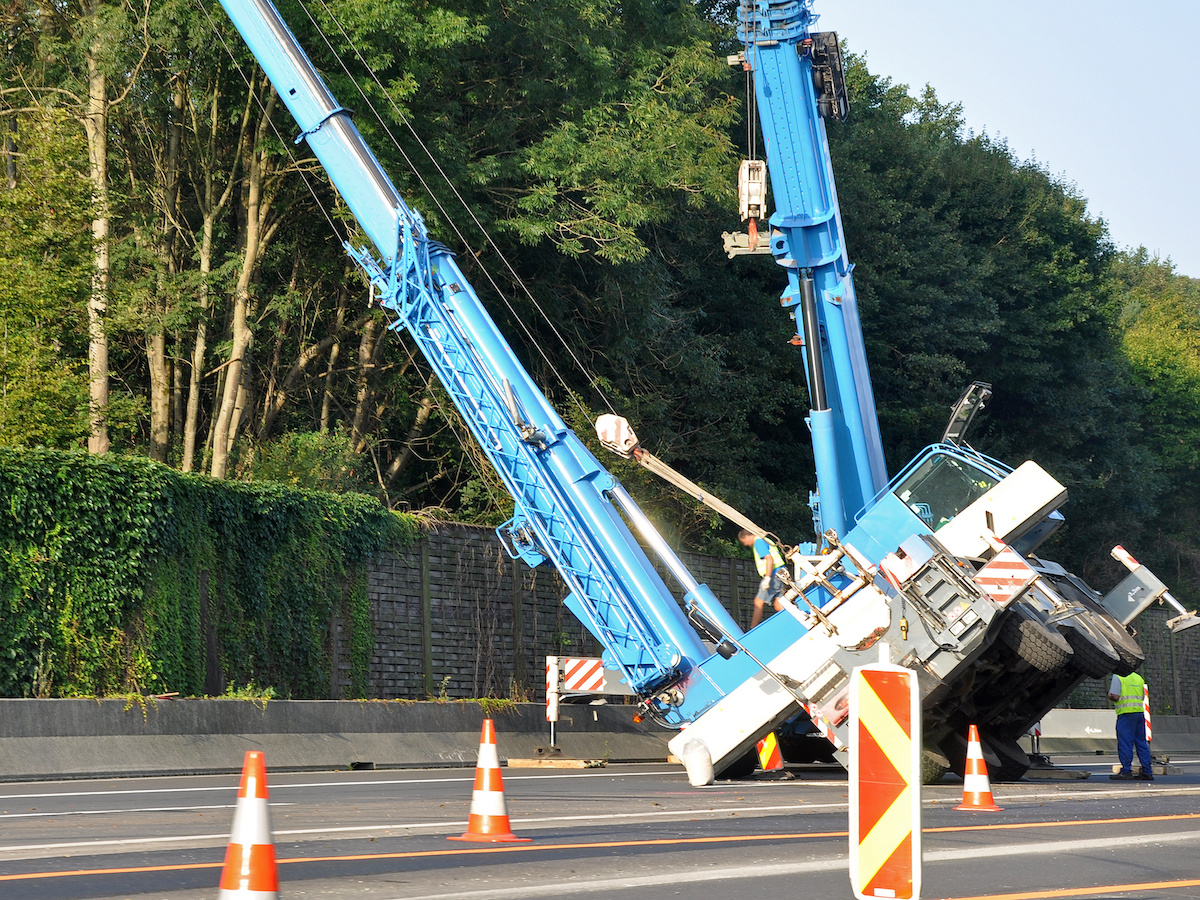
[
  {"x": 53, "y": 739},
  {"x": 1094, "y": 730}
]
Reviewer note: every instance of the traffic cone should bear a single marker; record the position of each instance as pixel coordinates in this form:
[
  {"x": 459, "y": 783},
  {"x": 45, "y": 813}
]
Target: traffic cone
[
  {"x": 489, "y": 815},
  {"x": 977, "y": 790},
  {"x": 249, "y": 870},
  {"x": 769, "y": 757}
]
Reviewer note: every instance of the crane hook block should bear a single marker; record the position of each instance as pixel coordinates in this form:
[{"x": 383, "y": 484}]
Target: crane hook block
[{"x": 752, "y": 189}]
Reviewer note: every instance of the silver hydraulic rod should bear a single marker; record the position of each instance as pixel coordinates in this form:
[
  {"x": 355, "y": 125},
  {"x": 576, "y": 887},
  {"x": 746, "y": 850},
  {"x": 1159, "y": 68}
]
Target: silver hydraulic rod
[
  {"x": 696, "y": 593},
  {"x": 812, "y": 338},
  {"x": 650, "y": 535}
]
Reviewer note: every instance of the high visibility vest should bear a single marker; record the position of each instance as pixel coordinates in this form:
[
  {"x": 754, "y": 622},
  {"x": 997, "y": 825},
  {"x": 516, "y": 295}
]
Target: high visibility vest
[
  {"x": 1132, "y": 691},
  {"x": 775, "y": 556}
]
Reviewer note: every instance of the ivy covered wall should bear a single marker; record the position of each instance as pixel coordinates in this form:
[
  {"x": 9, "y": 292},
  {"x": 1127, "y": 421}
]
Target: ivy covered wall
[{"x": 118, "y": 574}]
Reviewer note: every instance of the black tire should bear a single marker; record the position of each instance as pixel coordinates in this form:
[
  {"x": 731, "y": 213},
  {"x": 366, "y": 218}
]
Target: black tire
[
  {"x": 934, "y": 765},
  {"x": 1129, "y": 652},
  {"x": 1125, "y": 644},
  {"x": 1044, "y": 649},
  {"x": 1014, "y": 762},
  {"x": 1091, "y": 653},
  {"x": 742, "y": 767},
  {"x": 955, "y": 748}
]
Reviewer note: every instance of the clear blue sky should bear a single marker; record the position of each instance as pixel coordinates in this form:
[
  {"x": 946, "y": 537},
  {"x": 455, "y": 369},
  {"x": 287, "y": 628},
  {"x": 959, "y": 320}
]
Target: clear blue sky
[{"x": 1105, "y": 94}]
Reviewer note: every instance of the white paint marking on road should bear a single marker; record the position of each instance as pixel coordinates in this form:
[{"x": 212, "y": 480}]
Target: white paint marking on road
[
  {"x": 1070, "y": 795},
  {"x": 1042, "y": 847},
  {"x": 650, "y": 815},
  {"x": 337, "y": 784},
  {"x": 455, "y": 825},
  {"x": 107, "y": 812},
  {"x": 691, "y": 875}
]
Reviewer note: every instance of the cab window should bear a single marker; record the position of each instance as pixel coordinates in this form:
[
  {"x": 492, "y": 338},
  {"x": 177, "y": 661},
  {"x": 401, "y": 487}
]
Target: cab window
[{"x": 943, "y": 486}]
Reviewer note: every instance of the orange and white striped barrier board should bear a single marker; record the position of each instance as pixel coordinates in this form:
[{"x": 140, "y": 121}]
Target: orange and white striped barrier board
[
  {"x": 1005, "y": 576},
  {"x": 977, "y": 787},
  {"x": 489, "y": 816},
  {"x": 885, "y": 783},
  {"x": 249, "y": 870},
  {"x": 769, "y": 757},
  {"x": 1146, "y": 709}
]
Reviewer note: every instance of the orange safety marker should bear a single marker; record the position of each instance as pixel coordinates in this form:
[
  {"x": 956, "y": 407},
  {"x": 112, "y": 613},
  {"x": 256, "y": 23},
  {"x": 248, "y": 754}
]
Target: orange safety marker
[
  {"x": 885, "y": 783},
  {"x": 1146, "y": 708},
  {"x": 769, "y": 756},
  {"x": 489, "y": 815},
  {"x": 249, "y": 870},
  {"x": 977, "y": 788}
]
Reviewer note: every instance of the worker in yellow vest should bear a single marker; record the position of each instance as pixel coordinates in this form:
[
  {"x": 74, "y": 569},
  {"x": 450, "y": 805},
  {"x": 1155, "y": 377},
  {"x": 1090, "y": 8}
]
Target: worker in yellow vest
[
  {"x": 1128, "y": 693},
  {"x": 769, "y": 560}
]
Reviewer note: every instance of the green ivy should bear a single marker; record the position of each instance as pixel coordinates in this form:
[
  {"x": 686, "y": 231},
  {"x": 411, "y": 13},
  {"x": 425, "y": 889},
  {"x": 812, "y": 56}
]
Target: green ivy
[{"x": 114, "y": 571}]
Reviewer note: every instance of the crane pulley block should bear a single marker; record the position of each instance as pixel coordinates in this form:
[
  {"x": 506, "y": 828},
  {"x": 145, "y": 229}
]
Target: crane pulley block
[
  {"x": 829, "y": 77},
  {"x": 752, "y": 189}
]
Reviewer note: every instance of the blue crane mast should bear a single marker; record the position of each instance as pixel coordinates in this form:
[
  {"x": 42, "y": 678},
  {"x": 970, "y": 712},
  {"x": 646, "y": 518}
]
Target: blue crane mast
[
  {"x": 807, "y": 239},
  {"x": 566, "y": 503}
]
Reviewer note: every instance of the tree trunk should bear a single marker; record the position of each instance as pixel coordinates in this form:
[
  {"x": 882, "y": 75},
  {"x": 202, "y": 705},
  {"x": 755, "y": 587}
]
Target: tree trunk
[
  {"x": 10, "y": 153},
  {"x": 95, "y": 122},
  {"x": 363, "y": 393},
  {"x": 211, "y": 207},
  {"x": 160, "y": 394},
  {"x": 156, "y": 340},
  {"x": 408, "y": 453},
  {"x": 278, "y": 391},
  {"x": 225, "y": 427},
  {"x": 177, "y": 388},
  {"x": 199, "y": 347},
  {"x": 336, "y": 350}
]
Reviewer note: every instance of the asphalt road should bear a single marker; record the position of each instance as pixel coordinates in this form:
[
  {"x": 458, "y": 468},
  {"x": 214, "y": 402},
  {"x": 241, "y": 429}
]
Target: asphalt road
[{"x": 627, "y": 832}]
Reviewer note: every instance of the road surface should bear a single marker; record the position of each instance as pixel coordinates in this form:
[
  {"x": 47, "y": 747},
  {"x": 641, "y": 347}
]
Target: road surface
[{"x": 626, "y": 832}]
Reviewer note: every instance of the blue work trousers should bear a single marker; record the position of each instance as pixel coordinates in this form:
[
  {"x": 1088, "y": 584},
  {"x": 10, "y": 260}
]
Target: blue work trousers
[{"x": 1131, "y": 732}]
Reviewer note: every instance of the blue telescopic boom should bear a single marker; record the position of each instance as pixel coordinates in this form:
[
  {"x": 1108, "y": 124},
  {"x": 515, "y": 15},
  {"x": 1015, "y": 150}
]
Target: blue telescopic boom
[
  {"x": 807, "y": 239},
  {"x": 563, "y": 511}
]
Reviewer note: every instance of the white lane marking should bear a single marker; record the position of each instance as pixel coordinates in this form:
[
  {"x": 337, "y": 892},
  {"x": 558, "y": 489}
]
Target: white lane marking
[
  {"x": 453, "y": 825},
  {"x": 1041, "y": 847},
  {"x": 780, "y": 870},
  {"x": 1099, "y": 793},
  {"x": 107, "y": 812},
  {"x": 341, "y": 784}
]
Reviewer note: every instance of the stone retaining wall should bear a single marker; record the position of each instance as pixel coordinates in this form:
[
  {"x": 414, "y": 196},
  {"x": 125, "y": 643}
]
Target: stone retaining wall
[{"x": 454, "y": 617}]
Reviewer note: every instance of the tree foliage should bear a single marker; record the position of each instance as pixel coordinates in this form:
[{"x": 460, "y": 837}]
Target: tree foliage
[
  {"x": 595, "y": 144},
  {"x": 118, "y": 575}
]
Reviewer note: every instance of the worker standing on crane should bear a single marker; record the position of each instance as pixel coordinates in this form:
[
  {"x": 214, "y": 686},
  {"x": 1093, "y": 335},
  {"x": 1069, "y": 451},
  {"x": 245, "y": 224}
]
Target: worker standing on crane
[{"x": 769, "y": 560}]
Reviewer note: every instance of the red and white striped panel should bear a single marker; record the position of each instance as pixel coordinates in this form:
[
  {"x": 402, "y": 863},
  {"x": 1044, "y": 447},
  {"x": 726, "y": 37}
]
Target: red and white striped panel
[
  {"x": 582, "y": 674},
  {"x": 1005, "y": 576},
  {"x": 823, "y": 725},
  {"x": 1146, "y": 710}
]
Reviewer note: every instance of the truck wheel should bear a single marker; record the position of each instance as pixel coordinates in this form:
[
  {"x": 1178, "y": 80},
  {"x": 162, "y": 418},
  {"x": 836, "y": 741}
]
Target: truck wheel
[
  {"x": 1092, "y": 654},
  {"x": 1042, "y": 648},
  {"x": 1130, "y": 654},
  {"x": 955, "y": 748},
  {"x": 1014, "y": 762},
  {"x": 934, "y": 765}
]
